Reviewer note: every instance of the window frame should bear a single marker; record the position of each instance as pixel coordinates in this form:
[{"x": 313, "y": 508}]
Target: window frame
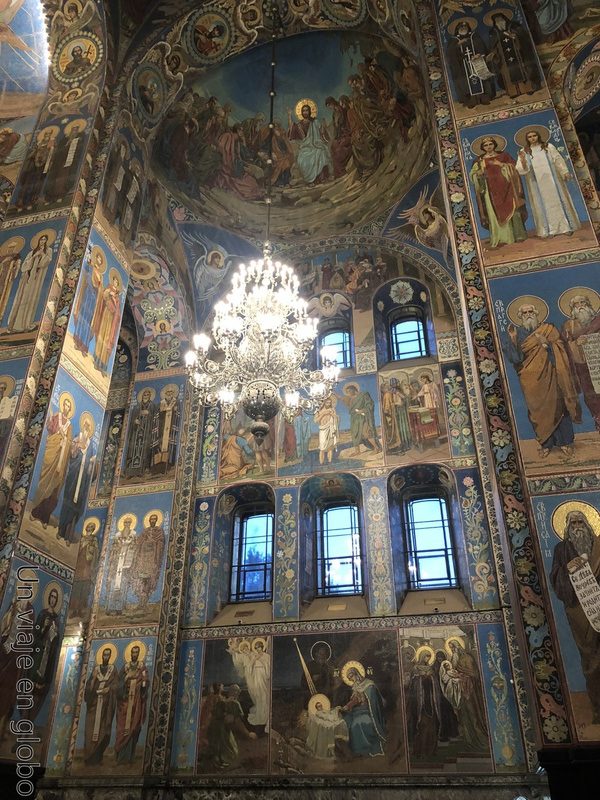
[
  {"x": 449, "y": 552},
  {"x": 320, "y": 560},
  {"x": 240, "y": 516},
  {"x": 349, "y": 349},
  {"x": 407, "y": 314}
]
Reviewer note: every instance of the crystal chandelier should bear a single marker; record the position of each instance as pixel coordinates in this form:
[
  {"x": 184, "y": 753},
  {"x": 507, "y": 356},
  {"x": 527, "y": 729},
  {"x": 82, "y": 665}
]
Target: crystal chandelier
[{"x": 263, "y": 333}]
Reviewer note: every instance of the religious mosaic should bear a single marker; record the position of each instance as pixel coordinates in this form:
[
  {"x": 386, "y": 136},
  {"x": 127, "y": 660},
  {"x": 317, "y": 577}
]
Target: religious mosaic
[
  {"x": 523, "y": 187},
  {"x": 63, "y": 472},
  {"x": 96, "y": 317},
  {"x": 337, "y": 127},
  {"x": 135, "y": 563},
  {"x": 568, "y": 527},
  {"x": 114, "y": 721},
  {"x": 32, "y": 623},
  {"x": 550, "y": 359}
]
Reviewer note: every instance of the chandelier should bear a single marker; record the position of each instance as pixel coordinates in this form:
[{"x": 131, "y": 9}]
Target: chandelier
[{"x": 261, "y": 333}]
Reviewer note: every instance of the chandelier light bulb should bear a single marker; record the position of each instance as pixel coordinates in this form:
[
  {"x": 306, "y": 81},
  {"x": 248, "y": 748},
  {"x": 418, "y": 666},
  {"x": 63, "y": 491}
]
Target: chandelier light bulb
[
  {"x": 202, "y": 342},
  {"x": 261, "y": 339}
]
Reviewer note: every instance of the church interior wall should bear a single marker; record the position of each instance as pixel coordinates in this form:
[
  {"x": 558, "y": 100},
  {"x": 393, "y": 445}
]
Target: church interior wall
[{"x": 468, "y": 687}]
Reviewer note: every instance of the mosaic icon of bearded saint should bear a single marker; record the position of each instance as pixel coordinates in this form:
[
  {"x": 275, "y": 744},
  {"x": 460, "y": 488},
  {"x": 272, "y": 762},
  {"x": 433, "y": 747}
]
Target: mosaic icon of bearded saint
[
  {"x": 148, "y": 558},
  {"x": 461, "y": 685},
  {"x": 120, "y": 561},
  {"x": 581, "y": 330},
  {"x": 539, "y": 356},
  {"x": 78, "y": 63},
  {"x": 139, "y": 440},
  {"x": 134, "y": 683},
  {"x": 579, "y": 531},
  {"x": 313, "y": 157},
  {"x": 63, "y": 169},
  {"x": 166, "y": 430},
  {"x": 100, "y": 697},
  {"x": 85, "y": 569}
]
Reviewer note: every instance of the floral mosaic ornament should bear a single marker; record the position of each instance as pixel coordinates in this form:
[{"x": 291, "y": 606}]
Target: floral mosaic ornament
[
  {"x": 547, "y": 682},
  {"x": 285, "y": 592},
  {"x": 461, "y": 434}
]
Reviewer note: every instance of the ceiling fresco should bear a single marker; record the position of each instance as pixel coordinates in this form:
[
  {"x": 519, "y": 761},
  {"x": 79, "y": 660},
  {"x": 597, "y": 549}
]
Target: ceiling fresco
[{"x": 351, "y": 136}]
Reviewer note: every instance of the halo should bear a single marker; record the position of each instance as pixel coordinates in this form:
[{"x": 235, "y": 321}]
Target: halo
[
  {"x": 321, "y": 642},
  {"x": 539, "y": 129},
  {"x": 458, "y": 639},
  {"x": 244, "y": 646},
  {"x": 10, "y": 384},
  {"x": 75, "y": 3},
  {"x": 143, "y": 270},
  {"x": 54, "y": 129},
  {"x": 122, "y": 519},
  {"x": 59, "y": 590},
  {"x": 538, "y": 302},
  {"x": 98, "y": 251},
  {"x": 348, "y": 385},
  {"x": 114, "y": 273},
  {"x": 150, "y": 389},
  {"x": 569, "y": 294},
  {"x": 425, "y": 648},
  {"x": 87, "y": 416},
  {"x": 587, "y": 81},
  {"x": 32, "y": 583},
  {"x": 113, "y": 653},
  {"x": 306, "y": 101},
  {"x": 81, "y": 122},
  {"x": 258, "y": 639},
  {"x": 478, "y": 149},
  {"x": 346, "y": 669},
  {"x": 76, "y": 90},
  {"x": 318, "y": 698},
  {"x": 66, "y": 396},
  {"x": 427, "y": 372},
  {"x": 95, "y": 521},
  {"x": 160, "y": 322},
  {"x": 221, "y": 263},
  {"x": 454, "y": 25},
  {"x": 130, "y": 646},
  {"x": 18, "y": 241},
  {"x": 559, "y": 516},
  {"x": 49, "y": 232},
  {"x": 155, "y": 512},
  {"x": 172, "y": 386},
  {"x": 487, "y": 20}
]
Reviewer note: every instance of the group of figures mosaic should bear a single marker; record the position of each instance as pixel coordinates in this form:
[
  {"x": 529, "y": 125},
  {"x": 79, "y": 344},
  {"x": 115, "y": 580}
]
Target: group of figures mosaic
[{"x": 365, "y": 702}]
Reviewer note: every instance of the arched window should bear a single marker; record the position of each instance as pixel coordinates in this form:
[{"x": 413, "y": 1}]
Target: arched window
[
  {"x": 429, "y": 548},
  {"x": 338, "y": 551},
  {"x": 340, "y": 342},
  {"x": 407, "y": 335},
  {"x": 252, "y": 554}
]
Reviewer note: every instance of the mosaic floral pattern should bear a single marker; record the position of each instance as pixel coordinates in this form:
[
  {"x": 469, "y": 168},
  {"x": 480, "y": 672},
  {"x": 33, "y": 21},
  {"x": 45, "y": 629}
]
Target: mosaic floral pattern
[{"x": 285, "y": 590}]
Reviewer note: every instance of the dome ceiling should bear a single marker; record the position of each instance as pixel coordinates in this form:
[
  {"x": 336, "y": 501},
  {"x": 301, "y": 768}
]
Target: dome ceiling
[{"x": 352, "y": 135}]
